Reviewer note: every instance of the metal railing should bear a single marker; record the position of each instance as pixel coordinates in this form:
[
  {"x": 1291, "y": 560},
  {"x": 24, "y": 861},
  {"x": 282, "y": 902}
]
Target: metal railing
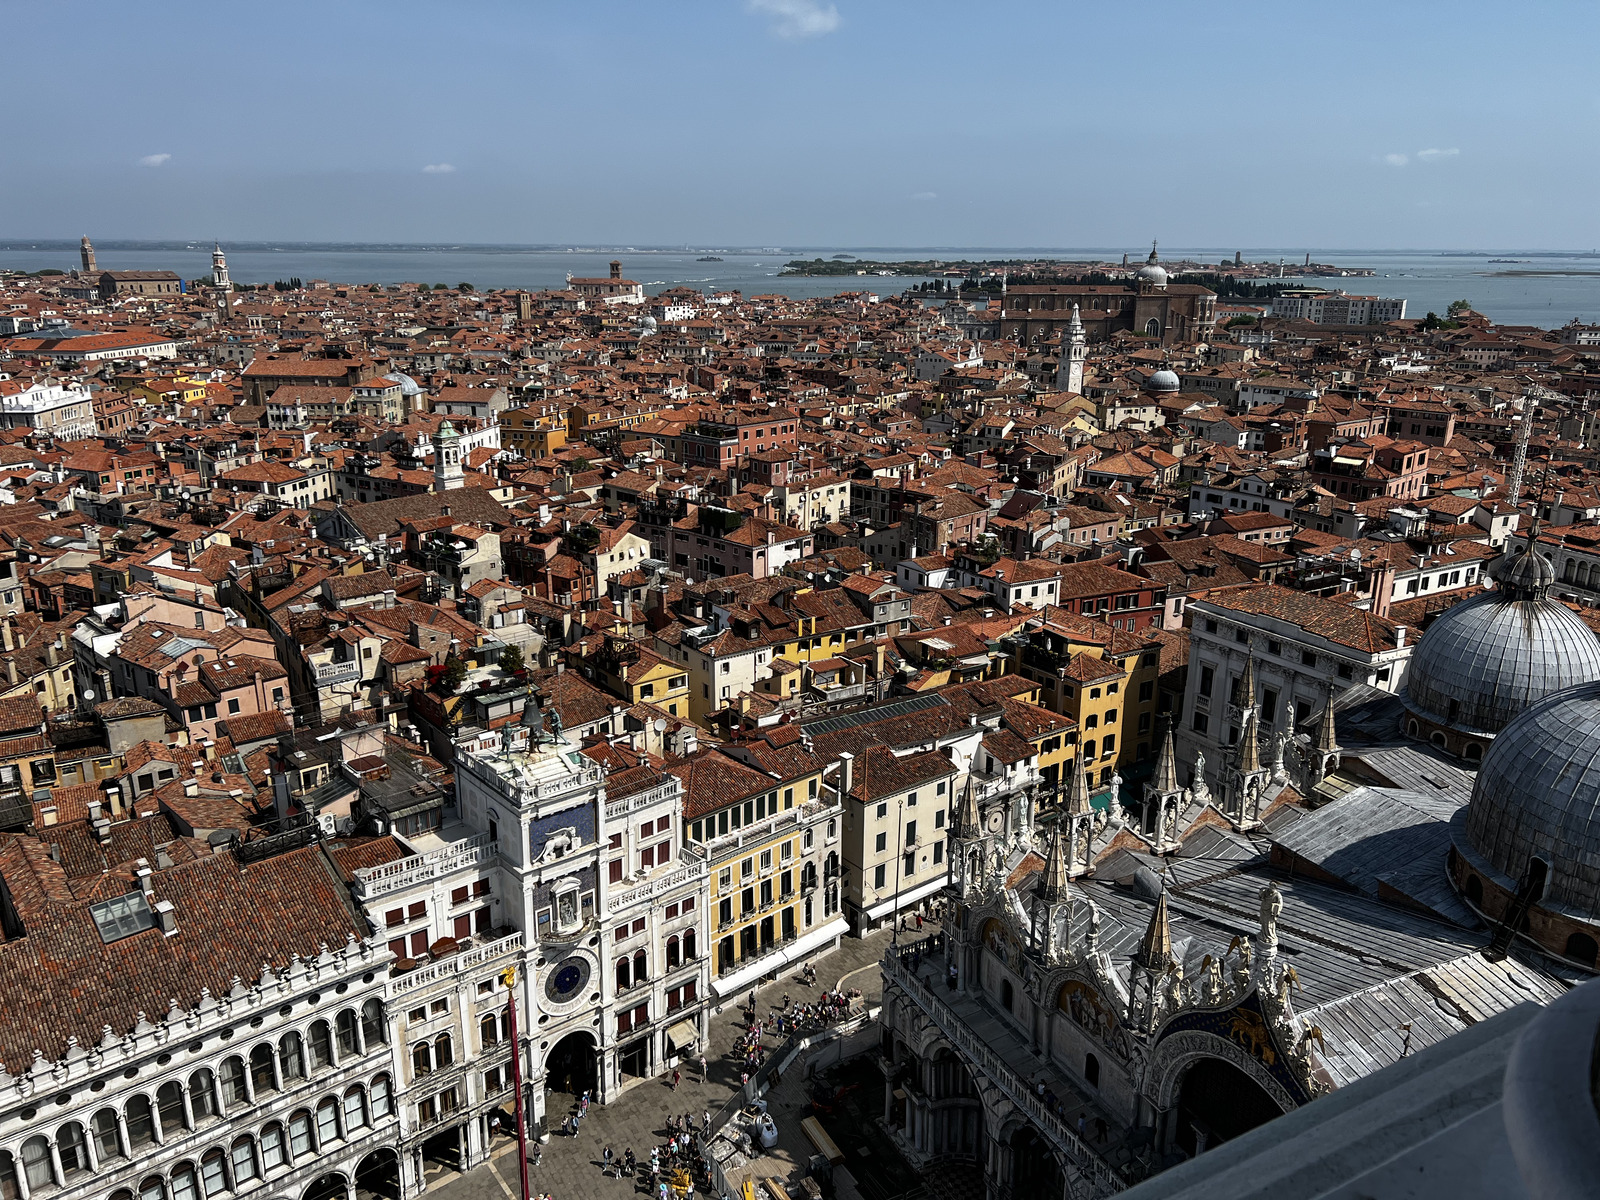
[{"x": 1103, "y": 1178}]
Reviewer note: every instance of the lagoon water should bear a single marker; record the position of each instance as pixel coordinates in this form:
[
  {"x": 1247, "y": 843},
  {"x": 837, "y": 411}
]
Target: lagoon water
[{"x": 1545, "y": 291}]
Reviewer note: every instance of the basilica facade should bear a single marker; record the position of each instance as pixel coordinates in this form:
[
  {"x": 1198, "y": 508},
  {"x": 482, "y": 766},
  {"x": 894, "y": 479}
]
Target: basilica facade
[{"x": 1118, "y": 988}]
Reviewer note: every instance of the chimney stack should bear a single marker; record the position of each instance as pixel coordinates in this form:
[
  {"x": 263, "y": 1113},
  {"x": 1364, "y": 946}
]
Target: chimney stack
[{"x": 847, "y": 772}]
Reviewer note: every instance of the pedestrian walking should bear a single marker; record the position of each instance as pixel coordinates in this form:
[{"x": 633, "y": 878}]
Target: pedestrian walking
[
  {"x": 702, "y": 1069},
  {"x": 919, "y": 922},
  {"x": 606, "y": 1158},
  {"x": 675, "y": 1078},
  {"x": 1083, "y": 1125}
]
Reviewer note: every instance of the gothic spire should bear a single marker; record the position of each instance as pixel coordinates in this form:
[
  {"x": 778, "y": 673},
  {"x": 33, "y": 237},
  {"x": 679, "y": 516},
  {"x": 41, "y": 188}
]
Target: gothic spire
[
  {"x": 971, "y": 820},
  {"x": 1156, "y": 949},
  {"x": 1078, "y": 799},
  {"x": 1327, "y": 739},
  {"x": 1247, "y": 683},
  {"x": 1166, "y": 775},
  {"x": 1249, "y": 752},
  {"x": 1053, "y": 884}
]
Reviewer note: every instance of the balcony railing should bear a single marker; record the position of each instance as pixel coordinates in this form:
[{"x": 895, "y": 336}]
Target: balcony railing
[
  {"x": 1102, "y": 1178},
  {"x": 372, "y": 882},
  {"x": 329, "y": 674},
  {"x": 468, "y": 960}
]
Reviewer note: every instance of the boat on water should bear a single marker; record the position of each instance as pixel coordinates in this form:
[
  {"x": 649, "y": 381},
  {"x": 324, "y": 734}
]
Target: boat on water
[
  {"x": 1508, "y": 260},
  {"x": 708, "y": 258}
]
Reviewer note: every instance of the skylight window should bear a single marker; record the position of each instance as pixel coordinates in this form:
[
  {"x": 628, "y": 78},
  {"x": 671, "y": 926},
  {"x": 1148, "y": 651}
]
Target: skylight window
[{"x": 122, "y": 916}]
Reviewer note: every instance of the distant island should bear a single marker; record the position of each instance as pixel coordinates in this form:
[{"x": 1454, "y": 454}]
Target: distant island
[{"x": 708, "y": 258}]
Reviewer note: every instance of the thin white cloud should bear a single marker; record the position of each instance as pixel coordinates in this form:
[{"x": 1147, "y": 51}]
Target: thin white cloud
[
  {"x": 1396, "y": 160},
  {"x": 1430, "y": 154},
  {"x": 798, "y": 18},
  {"x": 437, "y": 169},
  {"x": 924, "y": 195},
  {"x": 154, "y": 160}
]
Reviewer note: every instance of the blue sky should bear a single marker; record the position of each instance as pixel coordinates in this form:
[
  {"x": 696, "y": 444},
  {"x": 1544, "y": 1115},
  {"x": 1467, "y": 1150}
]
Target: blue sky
[{"x": 803, "y": 122}]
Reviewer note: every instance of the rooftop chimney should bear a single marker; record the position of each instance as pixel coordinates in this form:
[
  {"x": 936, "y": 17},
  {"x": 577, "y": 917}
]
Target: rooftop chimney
[
  {"x": 847, "y": 768},
  {"x": 167, "y": 917}
]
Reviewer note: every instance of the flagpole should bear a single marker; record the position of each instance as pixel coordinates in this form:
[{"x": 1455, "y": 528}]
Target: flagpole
[{"x": 510, "y": 980}]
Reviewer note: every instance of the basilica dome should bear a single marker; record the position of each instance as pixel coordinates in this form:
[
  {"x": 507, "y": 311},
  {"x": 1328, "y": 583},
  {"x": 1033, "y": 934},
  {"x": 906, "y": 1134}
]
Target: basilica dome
[
  {"x": 1538, "y": 796},
  {"x": 1162, "y": 381},
  {"x": 1152, "y": 272},
  {"x": 1484, "y": 661}
]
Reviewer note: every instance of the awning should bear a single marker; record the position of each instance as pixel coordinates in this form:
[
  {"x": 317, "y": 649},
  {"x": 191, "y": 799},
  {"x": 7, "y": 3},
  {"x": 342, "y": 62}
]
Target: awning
[
  {"x": 896, "y": 903},
  {"x": 751, "y": 971},
  {"x": 684, "y": 1035}
]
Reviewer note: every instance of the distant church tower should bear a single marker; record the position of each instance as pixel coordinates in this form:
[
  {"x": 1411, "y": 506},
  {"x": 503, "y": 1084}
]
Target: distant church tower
[
  {"x": 1069, "y": 374},
  {"x": 447, "y": 473},
  {"x": 219, "y": 269},
  {"x": 86, "y": 255}
]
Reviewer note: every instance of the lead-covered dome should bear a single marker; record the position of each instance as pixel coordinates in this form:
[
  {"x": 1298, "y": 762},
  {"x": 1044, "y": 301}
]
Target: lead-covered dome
[
  {"x": 1163, "y": 381},
  {"x": 1538, "y": 796},
  {"x": 1152, "y": 272},
  {"x": 1484, "y": 661}
]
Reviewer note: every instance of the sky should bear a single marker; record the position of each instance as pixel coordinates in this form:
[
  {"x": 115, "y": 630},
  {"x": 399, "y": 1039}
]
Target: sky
[{"x": 804, "y": 123}]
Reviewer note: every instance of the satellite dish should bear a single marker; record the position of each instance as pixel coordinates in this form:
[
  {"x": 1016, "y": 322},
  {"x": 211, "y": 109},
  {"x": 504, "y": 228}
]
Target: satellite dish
[{"x": 660, "y": 724}]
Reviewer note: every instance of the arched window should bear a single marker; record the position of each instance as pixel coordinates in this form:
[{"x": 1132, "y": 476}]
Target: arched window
[
  {"x": 672, "y": 952},
  {"x": 1088, "y": 750},
  {"x": 442, "y": 1055},
  {"x": 231, "y": 1076},
  {"x": 1006, "y": 994},
  {"x": 641, "y": 966},
  {"x": 107, "y": 1137},
  {"x": 121, "y": 1194},
  {"x": 214, "y": 1173},
  {"x": 1437, "y": 739},
  {"x": 688, "y": 934},
  {"x": 70, "y": 1146},
  {"x": 382, "y": 1101},
  {"x": 1475, "y": 891},
  {"x": 202, "y": 1094},
  {"x": 9, "y": 1188},
  {"x": 1152, "y": 328},
  {"x": 623, "y": 975},
  {"x": 321, "y": 1046},
  {"x": 291, "y": 1057},
  {"x": 327, "y": 1121},
  {"x": 1474, "y": 752},
  {"x": 349, "y": 1039},
  {"x": 243, "y": 1158},
  {"x": 489, "y": 1031},
  {"x": 355, "y": 1109},
  {"x": 1412, "y": 728},
  {"x": 262, "y": 1077},
  {"x": 1091, "y": 1070},
  {"x": 1581, "y": 948},
  {"x": 141, "y": 1121},
  {"x": 153, "y": 1187},
  {"x": 36, "y": 1163},
  {"x": 421, "y": 1059},
  {"x": 184, "y": 1184},
  {"x": 300, "y": 1134},
  {"x": 374, "y": 1029},
  {"x": 169, "y": 1103},
  {"x": 274, "y": 1151}
]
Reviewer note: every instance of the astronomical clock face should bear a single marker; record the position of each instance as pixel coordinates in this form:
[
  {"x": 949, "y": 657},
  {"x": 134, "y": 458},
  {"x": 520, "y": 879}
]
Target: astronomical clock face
[
  {"x": 997, "y": 820},
  {"x": 567, "y": 981}
]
